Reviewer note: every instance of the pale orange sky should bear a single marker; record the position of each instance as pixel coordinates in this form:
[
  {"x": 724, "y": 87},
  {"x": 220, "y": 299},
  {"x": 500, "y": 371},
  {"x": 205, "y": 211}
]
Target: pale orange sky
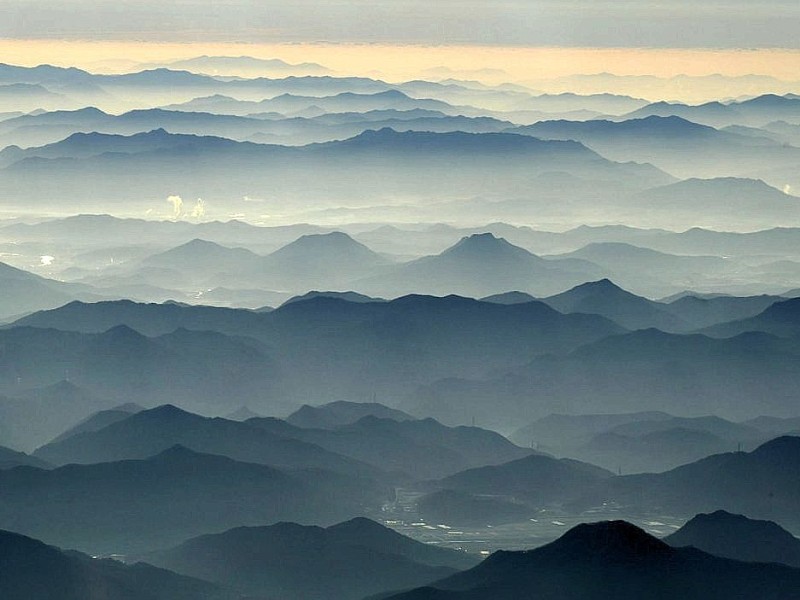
[{"x": 399, "y": 62}]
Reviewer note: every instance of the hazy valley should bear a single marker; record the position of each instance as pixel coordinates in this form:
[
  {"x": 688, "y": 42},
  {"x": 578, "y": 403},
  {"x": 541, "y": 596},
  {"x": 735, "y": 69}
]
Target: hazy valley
[{"x": 273, "y": 329}]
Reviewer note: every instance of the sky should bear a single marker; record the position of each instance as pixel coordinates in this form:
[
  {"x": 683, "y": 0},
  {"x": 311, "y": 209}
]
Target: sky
[
  {"x": 529, "y": 40},
  {"x": 568, "y": 23}
]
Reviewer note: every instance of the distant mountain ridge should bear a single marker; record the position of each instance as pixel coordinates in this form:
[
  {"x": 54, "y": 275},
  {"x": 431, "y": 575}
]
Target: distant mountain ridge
[
  {"x": 408, "y": 162},
  {"x": 735, "y": 536}
]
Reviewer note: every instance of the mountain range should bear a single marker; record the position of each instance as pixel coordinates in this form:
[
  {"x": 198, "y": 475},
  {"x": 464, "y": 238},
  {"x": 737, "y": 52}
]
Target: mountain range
[
  {"x": 360, "y": 169},
  {"x": 350, "y": 560},
  {"x": 640, "y": 371},
  {"x": 677, "y": 145},
  {"x": 136, "y": 505},
  {"x": 591, "y": 559}
]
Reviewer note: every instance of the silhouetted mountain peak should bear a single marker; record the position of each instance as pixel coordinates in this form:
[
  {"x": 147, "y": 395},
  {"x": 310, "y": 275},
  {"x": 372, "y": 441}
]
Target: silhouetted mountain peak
[
  {"x": 359, "y": 526},
  {"x": 180, "y": 453},
  {"x": 390, "y": 94},
  {"x": 165, "y": 411},
  {"x": 719, "y": 517},
  {"x": 605, "y": 286},
  {"x": 738, "y": 537},
  {"x": 485, "y": 245},
  {"x": 198, "y": 243},
  {"x": 769, "y": 100},
  {"x": 740, "y": 184},
  {"x": 608, "y": 540},
  {"x": 123, "y": 332},
  {"x": 335, "y": 241}
]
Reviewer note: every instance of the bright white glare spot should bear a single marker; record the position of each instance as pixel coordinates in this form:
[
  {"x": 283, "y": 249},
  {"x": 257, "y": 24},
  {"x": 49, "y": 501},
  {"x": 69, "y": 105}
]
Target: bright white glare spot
[
  {"x": 47, "y": 260},
  {"x": 199, "y": 210},
  {"x": 177, "y": 205}
]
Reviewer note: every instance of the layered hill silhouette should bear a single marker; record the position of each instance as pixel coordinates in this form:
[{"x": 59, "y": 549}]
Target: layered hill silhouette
[
  {"x": 641, "y": 442},
  {"x": 757, "y": 484},
  {"x": 328, "y": 260},
  {"x": 350, "y": 560},
  {"x": 735, "y": 536},
  {"x": 336, "y": 414},
  {"x": 677, "y": 145},
  {"x": 25, "y": 292},
  {"x": 756, "y": 111},
  {"x": 706, "y": 312},
  {"x": 422, "y": 449},
  {"x": 150, "y": 432},
  {"x": 648, "y": 269},
  {"x": 31, "y": 569},
  {"x": 421, "y": 339},
  {"x": 231, "y": 65},
  {"x": 480, "y": 265},
  {"x": 147, "y": 318},
  {"x": 124, "y": 168},
  {"x": 535, "y": 480},
  {"x": 99, "y": 420},
  {"x": 640, "y": 371},
  {"x": 781, "y": 319},
  {"x": 592, "y": 559},
  {"x": 202, "y": 369},
  {"x": 609, "y": 300},
  {"x": 11, "y": 458},
  {"x": 136, "y": 505},
  {"x": 556, "y": 432},
  {"x": 730, "y": 202}
]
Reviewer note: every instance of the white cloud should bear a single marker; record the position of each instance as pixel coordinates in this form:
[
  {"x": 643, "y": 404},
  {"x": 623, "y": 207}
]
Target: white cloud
[
  {"x": 177, "y": 206},
  {"x": 199, "y": 210}
]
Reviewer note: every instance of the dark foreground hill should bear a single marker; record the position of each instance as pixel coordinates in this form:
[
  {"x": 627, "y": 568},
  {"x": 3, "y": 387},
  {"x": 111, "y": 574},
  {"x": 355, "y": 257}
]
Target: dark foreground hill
[
  {"x": 613, "y": 560},
  {"x": 735, "y": 536},
  {"x": 31, "y": 570},
  {"x": 347, "y": 561},
  {"x": 137, "y": 505}
]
